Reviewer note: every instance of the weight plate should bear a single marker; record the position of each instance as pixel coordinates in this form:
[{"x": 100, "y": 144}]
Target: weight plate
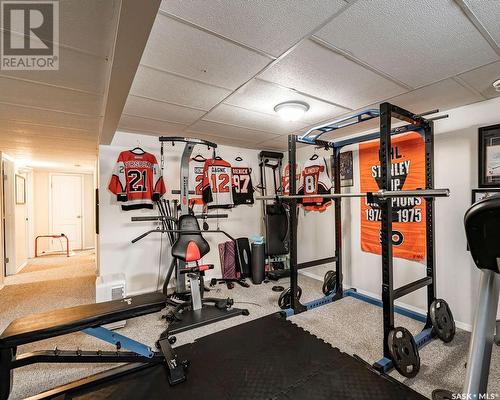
[
  {"x": 404, "y": 352},
  {"x": 329, "y": 282},
  {"x": 442, "y": 320},
  {"x": 284, "y": 300},
  {"x": 277, "y": 288},
  {"x": 441, "y": 394}
]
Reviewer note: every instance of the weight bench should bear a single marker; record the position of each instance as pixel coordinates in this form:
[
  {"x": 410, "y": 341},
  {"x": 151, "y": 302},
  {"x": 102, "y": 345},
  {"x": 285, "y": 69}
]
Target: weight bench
[{"x": 87, "y": 318}]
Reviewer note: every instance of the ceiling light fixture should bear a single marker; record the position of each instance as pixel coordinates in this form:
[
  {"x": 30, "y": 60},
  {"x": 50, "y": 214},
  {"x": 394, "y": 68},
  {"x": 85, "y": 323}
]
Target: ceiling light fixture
[
  {"x": 291, "y": 110},
  {"x": 496, "y": 85}
]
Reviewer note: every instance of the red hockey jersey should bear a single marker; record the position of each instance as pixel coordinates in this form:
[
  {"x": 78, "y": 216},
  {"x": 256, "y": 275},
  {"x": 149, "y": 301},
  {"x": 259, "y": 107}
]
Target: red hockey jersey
[
  {"x": 137, "y": 180},
  {"x": 315, "y": 182},
  {"x": 217, "y": 188},
  {"x": 196, "y": 171}
]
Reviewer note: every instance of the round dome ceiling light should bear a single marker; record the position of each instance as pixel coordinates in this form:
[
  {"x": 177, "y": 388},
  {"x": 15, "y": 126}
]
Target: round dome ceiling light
[
  {"x": 496, "y": 85},
  {"x": 291, "y": 110}
]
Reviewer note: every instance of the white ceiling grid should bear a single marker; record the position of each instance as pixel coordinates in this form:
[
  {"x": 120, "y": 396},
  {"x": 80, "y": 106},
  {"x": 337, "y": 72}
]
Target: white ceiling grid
[
  {"x": 228, "y": 63},
  {"x": 55, "y": 115}
]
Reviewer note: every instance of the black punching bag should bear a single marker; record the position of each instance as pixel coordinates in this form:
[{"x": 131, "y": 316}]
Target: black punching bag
[{"x": 258, "y": 263}]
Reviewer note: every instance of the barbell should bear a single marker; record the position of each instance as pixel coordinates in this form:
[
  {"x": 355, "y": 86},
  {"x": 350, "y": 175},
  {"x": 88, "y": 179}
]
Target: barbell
[{"x": 381, "y": 194}]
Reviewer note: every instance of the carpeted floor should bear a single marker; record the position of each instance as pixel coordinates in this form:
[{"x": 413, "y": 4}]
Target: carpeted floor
[{"x": 351, "y": 325}]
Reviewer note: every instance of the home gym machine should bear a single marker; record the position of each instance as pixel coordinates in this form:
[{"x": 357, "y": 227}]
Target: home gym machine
[
  {"x": 181, "y": 224},
  {"x": 482, "y": 227},
  {"x": 276, "y": 216},
  {"x": 400, "y": 348}
]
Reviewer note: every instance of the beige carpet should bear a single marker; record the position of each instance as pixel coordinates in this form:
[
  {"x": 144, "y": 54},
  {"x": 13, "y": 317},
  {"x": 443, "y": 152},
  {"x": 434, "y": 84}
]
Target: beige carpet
[{"x": 351, "y": 325}]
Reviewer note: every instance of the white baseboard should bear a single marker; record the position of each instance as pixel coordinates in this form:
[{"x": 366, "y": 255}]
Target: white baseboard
[{"x": 19, "y": 269}]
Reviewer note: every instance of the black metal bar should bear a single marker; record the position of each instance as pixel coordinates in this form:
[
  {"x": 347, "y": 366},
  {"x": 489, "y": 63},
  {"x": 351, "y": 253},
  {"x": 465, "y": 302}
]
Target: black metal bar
[
  {"x": 168, "y": 218},
  {"x": 411, "y": 287},
  {"x": 187, "y": 140},
  {"x": 83, "y": 356},
  {"x": 429, "y": 218},
  {"x": 386, "y": 223},
  {"x": 292, "y": 161},
  {"x": 338, "y": 223},
  {"x": 314, "y": 263},
  {"x": 375, "y": 135},
  {"x": 177, "y": 191},
  {"x": 405, "y": 115},
  {"x": 181, "y": 231}
]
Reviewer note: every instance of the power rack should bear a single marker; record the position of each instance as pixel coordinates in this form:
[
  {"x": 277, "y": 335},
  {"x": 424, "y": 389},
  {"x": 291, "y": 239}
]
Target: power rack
[{"x": 417, "y": 123}]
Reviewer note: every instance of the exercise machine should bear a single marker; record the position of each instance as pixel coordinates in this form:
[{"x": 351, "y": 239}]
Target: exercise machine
[
  {"x": 482, "y": 227},
  {"x": 190, "y": 247},
  {"x": 276, "y": 216},
  {"x": 400, "y": 348}
]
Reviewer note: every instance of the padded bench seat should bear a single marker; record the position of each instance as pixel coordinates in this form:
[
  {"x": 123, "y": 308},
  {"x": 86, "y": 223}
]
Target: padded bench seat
[{"x": 73, "y": 319}]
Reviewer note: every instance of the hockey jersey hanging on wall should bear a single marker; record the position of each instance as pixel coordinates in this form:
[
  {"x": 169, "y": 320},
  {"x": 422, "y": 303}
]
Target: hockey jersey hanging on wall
[
  {"x": 408, "y": 213},
  {"x": 217, "y": 186},
  {"x": 137, "y": 180},
  {"x": 196, "y": 167},
  {"x": 242, "y": 182},
  {"x": 315, "y": 182},
  {"x": 285, "y": 179}
]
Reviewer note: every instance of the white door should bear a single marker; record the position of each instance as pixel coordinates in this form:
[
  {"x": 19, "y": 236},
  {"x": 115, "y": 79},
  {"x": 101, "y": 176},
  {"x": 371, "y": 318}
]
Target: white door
[
  {"x": 9, "y": 217},
  {"x": 66, "y": 210}
]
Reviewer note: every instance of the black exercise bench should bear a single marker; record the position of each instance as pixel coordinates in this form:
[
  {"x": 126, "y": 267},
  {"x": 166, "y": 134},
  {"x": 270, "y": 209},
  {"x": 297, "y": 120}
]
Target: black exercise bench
[{"x": 89, "y": 319}]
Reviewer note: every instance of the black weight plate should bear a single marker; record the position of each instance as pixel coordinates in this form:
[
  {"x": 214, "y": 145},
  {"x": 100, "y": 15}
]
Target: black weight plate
[
  {"x": 277, "y": 288},
  {"x": 404, "y": 352},
  {"x": 329, "y": 282},
  {"x": 441, "y": 394},
  {"x": 442, "y": 320},
  {"x": 284, "y": 299}
]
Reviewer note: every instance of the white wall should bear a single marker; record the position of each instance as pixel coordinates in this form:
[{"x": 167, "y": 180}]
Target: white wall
[
  {"x": 456, "y": 169},
  {"x": 140, "y": 262},
  {"x": 41, "y": 184},
  {"x": 21, "y": 227}
]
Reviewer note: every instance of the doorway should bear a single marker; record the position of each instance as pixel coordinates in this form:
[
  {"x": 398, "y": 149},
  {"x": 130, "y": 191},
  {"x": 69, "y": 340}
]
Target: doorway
[{"x": 66, "y": 209}]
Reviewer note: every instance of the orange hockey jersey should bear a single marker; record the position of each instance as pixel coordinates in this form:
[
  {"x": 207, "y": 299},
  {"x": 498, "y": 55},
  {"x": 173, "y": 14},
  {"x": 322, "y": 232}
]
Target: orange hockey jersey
[
  {"x": 137, "y": 180},
  {"x": 217, "y": 187}
]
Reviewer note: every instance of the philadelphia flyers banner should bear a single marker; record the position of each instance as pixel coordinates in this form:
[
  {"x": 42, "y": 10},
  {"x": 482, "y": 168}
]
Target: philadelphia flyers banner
[{"x": 408, "y": 214}]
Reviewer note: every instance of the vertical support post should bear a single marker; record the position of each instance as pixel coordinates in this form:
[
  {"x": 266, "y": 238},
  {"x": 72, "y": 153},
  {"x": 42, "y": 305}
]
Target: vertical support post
[
  {"x": 180, "y": 279},
  {"x": 292, "y": 161},
  {"x": 6, "y": 358},
  {"x": 429, "y": 219},
  {"x": 338, "y": 223},
  {"x": 386, "y": 223}
]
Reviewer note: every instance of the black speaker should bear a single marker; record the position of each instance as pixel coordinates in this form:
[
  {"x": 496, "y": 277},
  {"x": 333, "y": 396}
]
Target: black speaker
[{"x": 243, "y": 257}]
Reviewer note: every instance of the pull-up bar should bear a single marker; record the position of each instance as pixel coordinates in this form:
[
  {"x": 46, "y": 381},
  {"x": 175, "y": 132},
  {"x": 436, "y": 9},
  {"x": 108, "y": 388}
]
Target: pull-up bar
[
  {"x": 381, "y": 194},
  {"x": 174, "y": 139}
]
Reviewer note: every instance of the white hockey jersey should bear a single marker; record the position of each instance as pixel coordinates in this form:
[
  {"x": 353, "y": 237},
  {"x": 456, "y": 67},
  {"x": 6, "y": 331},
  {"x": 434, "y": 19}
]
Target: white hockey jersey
[
  {"x": 196, "y": 181},
  {"x": 285, "y": 179},
  {"x": 217, "y": 187},
  {"x": 315, "y": 181}
]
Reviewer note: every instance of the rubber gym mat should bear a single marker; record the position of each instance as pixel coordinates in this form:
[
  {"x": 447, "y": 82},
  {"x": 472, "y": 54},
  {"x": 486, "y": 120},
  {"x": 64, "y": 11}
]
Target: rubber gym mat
[{"x": 267, "y": 358}]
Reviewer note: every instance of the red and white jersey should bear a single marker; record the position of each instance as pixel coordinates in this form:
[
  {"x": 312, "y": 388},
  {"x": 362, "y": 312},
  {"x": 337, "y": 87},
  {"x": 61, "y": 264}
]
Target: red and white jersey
[
  {"x": 285, "y": 179},
  {"x": 315, "y": 181},
  {"x": 217, "y": 186},
  {"x": 137, "y": 180},
  {"x": 242, "y": 183},
  {"x": 196, "y": 181}
]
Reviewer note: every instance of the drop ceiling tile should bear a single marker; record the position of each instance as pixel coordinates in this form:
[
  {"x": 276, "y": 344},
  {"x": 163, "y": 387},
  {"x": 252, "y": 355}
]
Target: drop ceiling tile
[
  {"x": 88, "y": 25},
  {"x": 315, "y": 70},
  {"x": 155, "y": 109},
  {"x": 230, "y": 131},
  {"x": 442, "y": 95},
  {"x": 158, "y": 85},
  {"x": 143, "y": 125},
  {"x": 76, "y": 71},
  {"x": 278, "y": 143},
  {"x": 49, "y": 97},
  {"x": 488, "y": 13},
  {"x": 262, "y": 96},
  {"x": 416, "y": 41},
  {"x": 482, "y": 79},
  {"x": 237, "y": 116},
  {"x": 46, "y": 117},
  {"x": 176, "y": 47},
  {"x": 221, "y": 140},
  {"x": 36, "y": 133},
  {"x": 269, "y": 25}
]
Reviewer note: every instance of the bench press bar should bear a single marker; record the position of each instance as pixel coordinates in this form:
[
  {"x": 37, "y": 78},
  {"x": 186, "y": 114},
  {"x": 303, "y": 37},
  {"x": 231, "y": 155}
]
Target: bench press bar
[{"x": 381, "y": 194}]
